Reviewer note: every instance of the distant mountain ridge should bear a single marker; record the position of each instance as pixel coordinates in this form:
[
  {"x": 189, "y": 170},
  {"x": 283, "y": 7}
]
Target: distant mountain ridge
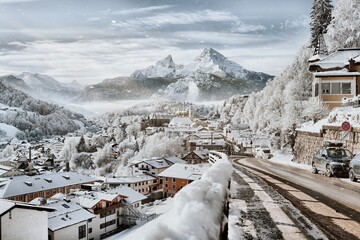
[
  {"x": 32, "y": 117},
  {"x": 211, "y": 76},
  {"x": 42, "y": 86}
]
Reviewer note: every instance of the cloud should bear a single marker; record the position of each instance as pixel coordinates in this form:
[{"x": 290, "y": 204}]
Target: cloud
[
  {"x": 176, "y": 18},
  {"x": 302, "y": 21},
  {"x": 16, "y": 1},
  {"x": 242, "y": 27},
  {"x": 219, "y": 38},
  {"x": 140, "y": 10}
]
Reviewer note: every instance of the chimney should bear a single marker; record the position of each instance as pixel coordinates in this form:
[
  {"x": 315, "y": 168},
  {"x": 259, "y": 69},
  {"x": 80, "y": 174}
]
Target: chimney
[{"x": 351, "y": 65}]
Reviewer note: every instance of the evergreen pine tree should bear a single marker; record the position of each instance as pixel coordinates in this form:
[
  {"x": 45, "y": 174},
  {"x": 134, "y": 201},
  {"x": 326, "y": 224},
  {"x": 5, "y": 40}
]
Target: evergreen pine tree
[{"x": 320, "y": 19}]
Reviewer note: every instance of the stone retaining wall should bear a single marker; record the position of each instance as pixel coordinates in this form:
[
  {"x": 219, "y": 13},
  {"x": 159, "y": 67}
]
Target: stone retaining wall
[{"x": 307, "y": 143}]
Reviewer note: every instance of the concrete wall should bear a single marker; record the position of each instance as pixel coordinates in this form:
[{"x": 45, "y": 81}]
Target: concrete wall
[
  {"x": 71, "y": 232},
  {"x": 26, "y": 224}
]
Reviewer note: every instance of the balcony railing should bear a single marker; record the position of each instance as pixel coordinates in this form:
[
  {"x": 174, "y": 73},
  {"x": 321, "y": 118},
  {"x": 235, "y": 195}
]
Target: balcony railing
[{"x": 103, "y": 210}]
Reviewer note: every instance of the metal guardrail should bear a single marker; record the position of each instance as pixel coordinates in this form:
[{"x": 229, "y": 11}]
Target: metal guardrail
[{"x": 214, "y": 157}]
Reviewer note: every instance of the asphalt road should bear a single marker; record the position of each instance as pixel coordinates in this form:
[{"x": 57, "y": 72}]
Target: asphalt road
[{"x": 331, "y": 204}]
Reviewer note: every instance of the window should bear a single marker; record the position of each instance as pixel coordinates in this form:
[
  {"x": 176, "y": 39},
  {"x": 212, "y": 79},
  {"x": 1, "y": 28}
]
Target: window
[
  {"x": 174, "y": 179},
  {"x": 335, "y": 88},
  {"x": 346, "y": 88},
  {"x": 54, "y": 191},
  {"x": 108, "y": 213},
  {"x": 90, "y": 230},
  {"x": 166, "y": 185},
  {"x": 173, "y": 186},
  {"x": 103, "y": 225},
  {"x": 325, "y": 88},
  {"x": 82, "y": 231}
]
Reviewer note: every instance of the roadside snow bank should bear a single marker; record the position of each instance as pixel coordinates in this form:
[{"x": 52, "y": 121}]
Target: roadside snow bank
[
  {"x": 197, "y": 211},
  {"x": 286, "y": 158}
]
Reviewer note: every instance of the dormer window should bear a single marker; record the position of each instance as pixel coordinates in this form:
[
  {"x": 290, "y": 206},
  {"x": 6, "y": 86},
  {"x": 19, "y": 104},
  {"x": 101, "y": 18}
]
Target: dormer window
[
  {"x": 28, "y": 183},
  {"x": 67, "y": 177},
  {"x": 49, "y": 180}
]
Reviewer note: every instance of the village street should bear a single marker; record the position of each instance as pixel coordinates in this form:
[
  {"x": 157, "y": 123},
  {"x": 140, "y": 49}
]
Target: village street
[{"x": 276, "y": 201}]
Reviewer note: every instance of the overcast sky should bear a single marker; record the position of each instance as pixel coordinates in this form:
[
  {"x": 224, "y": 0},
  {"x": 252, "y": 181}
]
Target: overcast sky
[{"x": 90, "y": 40}]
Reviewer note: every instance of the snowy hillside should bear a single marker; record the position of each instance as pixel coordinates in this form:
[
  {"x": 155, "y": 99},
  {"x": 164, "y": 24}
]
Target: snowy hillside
[{"x": 34, "y": 118}]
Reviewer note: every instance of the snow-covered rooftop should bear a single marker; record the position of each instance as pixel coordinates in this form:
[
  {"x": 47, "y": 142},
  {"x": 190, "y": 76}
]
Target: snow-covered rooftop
[
  {"x": 66, "y": 214},
  {"x": 25, "y": 184},
  {"x": 6, "y": 205},
  {"x": 132, "y": 195},
  {"x": 342, "y": 72},
  {"x": 129, "y": 179},
  {"x": 218, "y": 142},
  {"x": 180, "y": 122},
  {"x": 185, "y": 171},
  {"x": 339, "y": 58}
]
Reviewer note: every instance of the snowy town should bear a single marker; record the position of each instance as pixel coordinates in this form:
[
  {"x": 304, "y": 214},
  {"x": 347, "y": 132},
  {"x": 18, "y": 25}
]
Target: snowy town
[{"x": 180, "y": 141}]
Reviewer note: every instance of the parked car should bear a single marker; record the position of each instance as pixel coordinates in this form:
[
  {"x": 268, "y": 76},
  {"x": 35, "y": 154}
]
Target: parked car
[
  {"x": 332, "y": 159},
  {"x": 354, "y": 172},
  {"x": 262, "y": 152}
]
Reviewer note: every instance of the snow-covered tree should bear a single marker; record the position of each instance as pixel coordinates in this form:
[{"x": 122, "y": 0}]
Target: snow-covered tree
[
  {"x": 344, "y": 31},
  {"x": 320, "y": 19},
  {"x": 284, "y": 103}
]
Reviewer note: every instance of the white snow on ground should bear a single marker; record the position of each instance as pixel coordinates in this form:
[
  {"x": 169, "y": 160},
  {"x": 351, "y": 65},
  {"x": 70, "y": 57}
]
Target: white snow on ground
[
  {"x": 10, "y": 130},
  {"x": 313, "y": 127},
  {"x": 335, "y": 118},
  {"x": 285, "y": 158},
  {"x": 197, "y": 209},
  {"x": 238, "y": 229},
  {"x": 282, "y": 221}
]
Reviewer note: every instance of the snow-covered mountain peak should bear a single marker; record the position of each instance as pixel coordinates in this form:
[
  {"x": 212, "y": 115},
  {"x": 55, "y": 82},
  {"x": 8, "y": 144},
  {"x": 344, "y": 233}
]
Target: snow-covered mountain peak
[
  {"x": 209, "y": 55},
  {"x": 166, "y": 62},
  {"x": 164, "y": 68}
]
